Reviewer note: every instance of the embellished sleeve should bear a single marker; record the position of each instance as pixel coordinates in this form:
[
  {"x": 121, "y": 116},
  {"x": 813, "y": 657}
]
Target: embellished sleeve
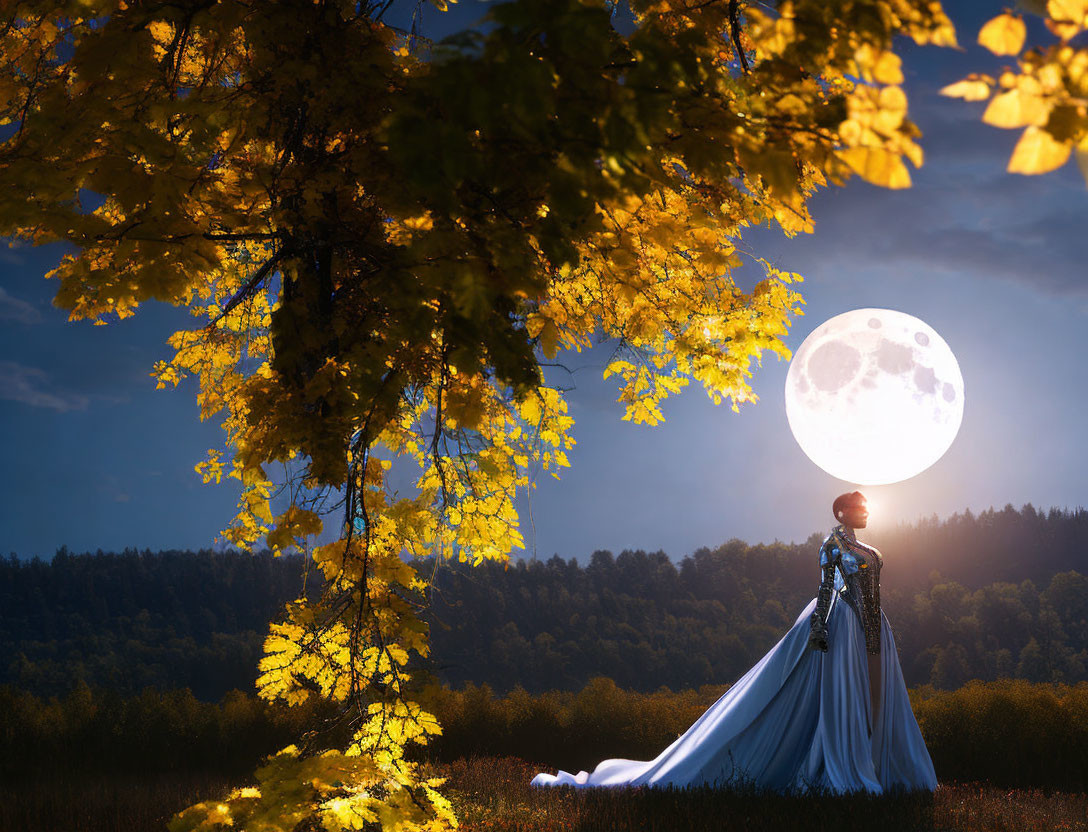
[{"x": 829, "y": 558}]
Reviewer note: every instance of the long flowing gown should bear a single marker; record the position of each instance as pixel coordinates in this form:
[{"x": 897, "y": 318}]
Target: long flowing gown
[{"x": 799, "y": 719}]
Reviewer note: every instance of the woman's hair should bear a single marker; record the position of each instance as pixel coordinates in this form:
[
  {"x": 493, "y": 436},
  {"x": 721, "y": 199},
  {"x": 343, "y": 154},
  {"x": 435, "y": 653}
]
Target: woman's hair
[{"x": 844, "y": 501}]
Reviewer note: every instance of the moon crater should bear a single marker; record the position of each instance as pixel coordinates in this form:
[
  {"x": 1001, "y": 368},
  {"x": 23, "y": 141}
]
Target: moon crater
[
  {"x": 925, "y": 380},
  {"x": 833, "y": 366},
  {"x": 894, "y": 358}
]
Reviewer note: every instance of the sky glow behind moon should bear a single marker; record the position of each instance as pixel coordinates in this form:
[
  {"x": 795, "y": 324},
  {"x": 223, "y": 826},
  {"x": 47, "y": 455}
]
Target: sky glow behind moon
[{"x": 874, "y": 396}]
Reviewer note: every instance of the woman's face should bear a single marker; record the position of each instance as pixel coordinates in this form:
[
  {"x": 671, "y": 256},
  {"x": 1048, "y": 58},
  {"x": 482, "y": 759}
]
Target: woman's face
[{"x": 856, "y": 516}]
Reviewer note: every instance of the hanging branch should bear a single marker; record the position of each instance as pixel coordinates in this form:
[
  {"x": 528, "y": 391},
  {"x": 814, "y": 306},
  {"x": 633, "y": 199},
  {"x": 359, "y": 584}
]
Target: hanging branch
[{"x": 734, "y": 31}]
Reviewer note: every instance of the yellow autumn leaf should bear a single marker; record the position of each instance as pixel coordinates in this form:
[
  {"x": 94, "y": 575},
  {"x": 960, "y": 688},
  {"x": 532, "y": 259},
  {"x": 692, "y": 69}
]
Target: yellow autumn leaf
[
  {"x": 892, "y": 108},
  {"x": 1067, "y": 17},
  {"x": 549, "y": 339},
  {"x": 1004, "y": 35},
  {"x": 534, "y": 323},
  {"x": 1038, "y": 152},
  {"x": 913, "y": 152},
  {"x": 1018, "y": 107},
  {"x": 888, "y": 69},
  {"x": 877, "y": 166},
  {"x": 424, "y": 222},
  {"x": 161, "y": 30},
  {"x": 969, "y": 89}
]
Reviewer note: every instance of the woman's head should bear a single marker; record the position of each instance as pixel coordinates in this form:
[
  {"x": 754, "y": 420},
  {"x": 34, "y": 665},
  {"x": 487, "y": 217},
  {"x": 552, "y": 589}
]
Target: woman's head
[{"x": 851, "y": 509}]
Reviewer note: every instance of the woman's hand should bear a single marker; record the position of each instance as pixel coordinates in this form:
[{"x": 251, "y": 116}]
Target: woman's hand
[{"x": 817, "y": 638}]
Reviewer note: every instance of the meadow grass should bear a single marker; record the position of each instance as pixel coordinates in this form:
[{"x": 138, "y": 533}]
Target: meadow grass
[
  {"x": 109, "y": 804},
  {"x": 492, "y": 794}
]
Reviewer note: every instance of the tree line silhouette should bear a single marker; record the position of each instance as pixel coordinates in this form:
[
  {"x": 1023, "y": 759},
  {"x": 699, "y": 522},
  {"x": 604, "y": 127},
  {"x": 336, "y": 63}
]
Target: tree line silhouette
[{"x": 994, "y": 595}]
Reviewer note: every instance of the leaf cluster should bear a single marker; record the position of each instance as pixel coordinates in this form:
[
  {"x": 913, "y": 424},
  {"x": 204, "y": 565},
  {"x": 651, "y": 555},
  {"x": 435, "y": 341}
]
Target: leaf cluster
[{"x": 1047, "y": 94}]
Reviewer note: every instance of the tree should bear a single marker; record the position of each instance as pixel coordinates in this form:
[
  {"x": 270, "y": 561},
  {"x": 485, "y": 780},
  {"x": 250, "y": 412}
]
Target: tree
[
  {"x": 386, "y": 240},
  {"x": 951, "y": 667}
]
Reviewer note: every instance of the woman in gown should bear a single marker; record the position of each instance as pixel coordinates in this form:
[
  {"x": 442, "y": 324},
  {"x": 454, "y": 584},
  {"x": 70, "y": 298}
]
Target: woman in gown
[{"x": 826, "y": 708}]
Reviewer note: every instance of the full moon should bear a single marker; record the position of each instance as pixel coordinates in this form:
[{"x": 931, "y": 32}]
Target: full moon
[{"x": 874, "y": 396}]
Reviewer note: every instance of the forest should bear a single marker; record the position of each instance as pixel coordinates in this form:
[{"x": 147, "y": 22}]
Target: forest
[
  {"x": 155, "y": 735},
  {"x": 1000, "y": 594}
]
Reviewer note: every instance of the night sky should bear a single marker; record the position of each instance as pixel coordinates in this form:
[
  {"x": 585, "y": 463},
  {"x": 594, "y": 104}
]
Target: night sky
[{"x": 96, "y": 457}]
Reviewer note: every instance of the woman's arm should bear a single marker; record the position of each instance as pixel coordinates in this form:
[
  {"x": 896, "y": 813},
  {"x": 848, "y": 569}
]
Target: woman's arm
[{"x": 829, "y": 556}]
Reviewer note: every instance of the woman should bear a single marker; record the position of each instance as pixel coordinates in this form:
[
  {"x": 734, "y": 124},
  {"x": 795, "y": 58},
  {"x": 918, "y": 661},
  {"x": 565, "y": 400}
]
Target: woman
[{"x": 826, "y": 708}]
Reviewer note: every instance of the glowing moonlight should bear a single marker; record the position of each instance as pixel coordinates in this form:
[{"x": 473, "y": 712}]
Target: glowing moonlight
[{"x": 874, "y": 396}]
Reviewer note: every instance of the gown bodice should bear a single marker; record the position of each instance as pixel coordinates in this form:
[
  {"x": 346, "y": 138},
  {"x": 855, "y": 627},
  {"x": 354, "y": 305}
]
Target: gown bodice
[{"x": 851, "y": 569}]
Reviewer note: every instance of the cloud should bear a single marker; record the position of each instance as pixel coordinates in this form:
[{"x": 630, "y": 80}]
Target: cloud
[
  {"x": 977, "y": 220},
  {"x": 108, "y": 485},
  {"x": 1048, "y": 253},
  {"x": 19, "y": 383},
  {"x": 13, "y": 309}
]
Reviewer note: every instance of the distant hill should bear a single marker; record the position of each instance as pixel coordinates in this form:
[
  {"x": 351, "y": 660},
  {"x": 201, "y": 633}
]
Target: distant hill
[{"x": 1003, "y": 593}]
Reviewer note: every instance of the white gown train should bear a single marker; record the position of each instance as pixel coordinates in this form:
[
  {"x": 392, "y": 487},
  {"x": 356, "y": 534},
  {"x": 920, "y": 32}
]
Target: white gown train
[{"x": 798, "y": 720}]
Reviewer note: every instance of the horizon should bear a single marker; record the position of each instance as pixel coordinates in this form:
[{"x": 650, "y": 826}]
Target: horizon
[{"x": 902, "y": 525}]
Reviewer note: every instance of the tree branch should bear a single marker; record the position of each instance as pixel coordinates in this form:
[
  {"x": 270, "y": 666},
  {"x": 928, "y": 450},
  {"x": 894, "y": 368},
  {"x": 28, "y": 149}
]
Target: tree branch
[
  {"x": 734, "y": 31},
  {"x": 251, "y": 284}
]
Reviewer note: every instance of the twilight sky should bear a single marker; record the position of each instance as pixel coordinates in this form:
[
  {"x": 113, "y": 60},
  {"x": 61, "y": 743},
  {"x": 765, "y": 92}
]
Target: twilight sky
[{"x": 997, "y": 263}]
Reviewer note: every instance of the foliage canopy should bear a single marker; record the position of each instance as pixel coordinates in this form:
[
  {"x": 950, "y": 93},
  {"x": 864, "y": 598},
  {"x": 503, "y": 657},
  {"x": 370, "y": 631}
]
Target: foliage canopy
[{"x": 386, "y": 242}]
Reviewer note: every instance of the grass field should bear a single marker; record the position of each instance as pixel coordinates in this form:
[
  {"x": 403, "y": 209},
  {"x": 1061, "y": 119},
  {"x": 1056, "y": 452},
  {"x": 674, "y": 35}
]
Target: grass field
[{"x": 493, "y": 794}]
